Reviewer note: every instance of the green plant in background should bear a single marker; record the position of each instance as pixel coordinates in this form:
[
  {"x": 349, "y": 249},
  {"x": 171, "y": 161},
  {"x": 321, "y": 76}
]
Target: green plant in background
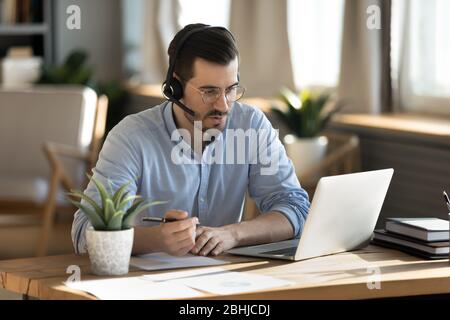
[
  {"x": 76, "y": 71},
  {"x": 111, "y": 215},
  {"x": 306, "y": 114}
]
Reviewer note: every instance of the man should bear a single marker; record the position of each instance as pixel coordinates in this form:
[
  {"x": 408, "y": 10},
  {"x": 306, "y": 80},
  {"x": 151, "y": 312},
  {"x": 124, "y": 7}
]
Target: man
[{"x": 204, "y": 64}]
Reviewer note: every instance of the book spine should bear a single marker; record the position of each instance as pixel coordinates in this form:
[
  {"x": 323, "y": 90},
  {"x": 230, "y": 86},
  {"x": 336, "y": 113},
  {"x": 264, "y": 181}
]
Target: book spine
[
  {"x": 36, "y": 11},
  {"x": 9, "y": 12},
  {"x": 18, "y": 11},
  {"x": 26, "y": 11},
  {"x": 21, "y": 11}
]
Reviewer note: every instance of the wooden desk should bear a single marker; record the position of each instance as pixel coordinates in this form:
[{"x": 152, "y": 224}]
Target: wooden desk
[{"x": 340, "y": 276}]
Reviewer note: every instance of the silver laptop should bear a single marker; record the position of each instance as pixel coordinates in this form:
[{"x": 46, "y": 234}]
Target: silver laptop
[{"x": 342, "y": 217}]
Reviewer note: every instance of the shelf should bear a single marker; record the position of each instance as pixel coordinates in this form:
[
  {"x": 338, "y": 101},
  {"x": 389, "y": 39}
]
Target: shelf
[
  {"x": 23, "y": 29},
  {"x": 409, "y": 123}
]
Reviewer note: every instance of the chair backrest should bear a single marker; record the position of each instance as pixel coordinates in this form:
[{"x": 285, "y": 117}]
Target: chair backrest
[
  {"x": 29, "y": 117},
  {"x": 98, "y": 130}
]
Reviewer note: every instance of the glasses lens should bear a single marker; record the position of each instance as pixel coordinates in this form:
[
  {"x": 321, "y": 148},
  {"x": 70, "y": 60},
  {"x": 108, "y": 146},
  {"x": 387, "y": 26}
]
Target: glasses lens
[
  {"x": 211, "y": 95},
  {"x": 235, "y": 93},
  {"x": 232, "y": 94}
]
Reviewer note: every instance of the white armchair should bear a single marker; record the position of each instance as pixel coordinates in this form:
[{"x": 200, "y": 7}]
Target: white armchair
[{"x": 31, "y": 119}]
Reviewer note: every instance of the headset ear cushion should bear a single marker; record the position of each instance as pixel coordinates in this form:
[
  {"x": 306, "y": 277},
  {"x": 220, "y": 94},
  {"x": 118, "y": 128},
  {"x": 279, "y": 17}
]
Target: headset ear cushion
[{"x": 177, "y": 89}]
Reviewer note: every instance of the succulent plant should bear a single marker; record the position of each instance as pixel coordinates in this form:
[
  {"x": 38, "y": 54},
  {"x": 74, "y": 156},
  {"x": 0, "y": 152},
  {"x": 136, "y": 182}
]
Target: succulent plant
[
  {"x": 111, "y": 214},
  {"x": 307, "y": 114}
]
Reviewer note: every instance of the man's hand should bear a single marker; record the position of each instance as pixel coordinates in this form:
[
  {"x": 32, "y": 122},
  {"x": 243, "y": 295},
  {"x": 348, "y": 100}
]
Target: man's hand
[
  {"x": 214, "y": 241},
  {"x": 178, "y": 238}
]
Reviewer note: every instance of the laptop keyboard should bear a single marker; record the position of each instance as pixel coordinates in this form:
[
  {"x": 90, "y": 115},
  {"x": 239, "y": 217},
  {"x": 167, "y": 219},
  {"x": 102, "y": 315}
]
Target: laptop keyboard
[{"x": 282, "y": 252}]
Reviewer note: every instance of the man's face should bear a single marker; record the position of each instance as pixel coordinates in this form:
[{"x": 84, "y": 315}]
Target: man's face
[{"x": 208, "y": 75}]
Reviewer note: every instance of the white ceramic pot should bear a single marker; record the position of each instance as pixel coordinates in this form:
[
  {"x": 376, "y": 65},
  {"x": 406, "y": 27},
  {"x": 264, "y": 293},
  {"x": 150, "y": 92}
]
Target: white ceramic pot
[
  {"x": 109, "y": 251},
  {"x": 305, "y": 152}
]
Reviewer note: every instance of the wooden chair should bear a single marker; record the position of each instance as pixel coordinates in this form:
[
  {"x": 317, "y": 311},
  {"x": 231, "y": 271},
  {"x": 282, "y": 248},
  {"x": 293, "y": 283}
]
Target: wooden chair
[
  {"x": 29, "y": 117},
  {"x": 60, "y": 176}
]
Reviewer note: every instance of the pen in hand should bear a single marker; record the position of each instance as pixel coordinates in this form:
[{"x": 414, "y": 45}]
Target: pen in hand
[
  {"x": 447, "y": 201},
  {"x": 160, "y": 220}
]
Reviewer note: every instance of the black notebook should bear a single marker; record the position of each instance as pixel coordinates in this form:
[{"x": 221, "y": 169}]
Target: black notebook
[
  {"x": 409, "y": 250},
  {"x": 433, "y": 248}
]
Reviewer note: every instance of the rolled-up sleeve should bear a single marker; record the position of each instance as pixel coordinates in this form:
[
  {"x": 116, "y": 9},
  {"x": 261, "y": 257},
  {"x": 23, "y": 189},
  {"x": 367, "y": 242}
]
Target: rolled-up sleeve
[
  {"x": 118, "y": 163},
  {"x": 277, "y": 189}
]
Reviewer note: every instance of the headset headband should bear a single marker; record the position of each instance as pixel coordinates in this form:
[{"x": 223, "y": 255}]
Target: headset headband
[{"x": 180, "y": 44}]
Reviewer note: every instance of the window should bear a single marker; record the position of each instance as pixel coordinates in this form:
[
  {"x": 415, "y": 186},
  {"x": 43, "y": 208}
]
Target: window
[
  {"x": 315, "y": 34},
  {"x": 215, "y": 13},
  {"x": 420, "y": 54},
  {"x": 314, "y": 28}
]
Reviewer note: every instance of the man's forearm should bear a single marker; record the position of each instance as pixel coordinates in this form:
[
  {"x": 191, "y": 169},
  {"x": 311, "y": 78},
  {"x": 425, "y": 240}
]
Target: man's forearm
[{"x": 268, "y": 227}]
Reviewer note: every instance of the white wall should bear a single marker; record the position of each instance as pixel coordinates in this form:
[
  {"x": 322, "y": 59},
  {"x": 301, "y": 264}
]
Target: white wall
[
  {"x": 100, "y": 35},
  {"x": 133, "y": 16}
]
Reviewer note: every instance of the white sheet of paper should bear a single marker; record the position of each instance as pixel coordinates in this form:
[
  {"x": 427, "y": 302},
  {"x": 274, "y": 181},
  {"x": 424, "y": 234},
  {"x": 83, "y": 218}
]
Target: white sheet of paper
[
  {"x": 180, "y": 275},
  {"x": 162, "y": 261},
  {"x": 133, "y": 288},
  {"x": 229, "y": 282}
]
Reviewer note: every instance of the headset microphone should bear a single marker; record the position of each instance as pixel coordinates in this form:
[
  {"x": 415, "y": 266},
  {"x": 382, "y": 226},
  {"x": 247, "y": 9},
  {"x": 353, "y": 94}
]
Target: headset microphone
[
  {"x": 168, "y": 94},
  {"x": 184, "y": 107}
]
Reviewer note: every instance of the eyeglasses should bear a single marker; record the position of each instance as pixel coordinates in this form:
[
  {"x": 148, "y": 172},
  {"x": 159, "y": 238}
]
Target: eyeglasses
[{"x": 211, "y": 95}]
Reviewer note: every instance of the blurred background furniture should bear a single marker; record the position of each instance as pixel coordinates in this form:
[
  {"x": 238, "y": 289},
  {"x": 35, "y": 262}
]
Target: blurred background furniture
[
  {"x": 33, "y": 27},
  {"x": 31, "y": 117},
  {"x": 342, "y": 157},
  {"x": 56, "y": 153}
]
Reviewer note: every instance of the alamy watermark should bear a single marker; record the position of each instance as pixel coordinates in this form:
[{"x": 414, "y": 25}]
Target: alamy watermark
[
  {"x": 73, "y": 21},
  {"x": 231, "y": 146},
  {"x": 373, "y": 21},
  {"x": 374, "y": 280},
  {"x": 75, "y": 273}
]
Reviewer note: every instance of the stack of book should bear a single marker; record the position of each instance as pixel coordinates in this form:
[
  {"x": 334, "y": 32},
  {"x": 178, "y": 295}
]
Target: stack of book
[
  {"x": 21, "y": 11},
  {"x": 424, "y": 237}
]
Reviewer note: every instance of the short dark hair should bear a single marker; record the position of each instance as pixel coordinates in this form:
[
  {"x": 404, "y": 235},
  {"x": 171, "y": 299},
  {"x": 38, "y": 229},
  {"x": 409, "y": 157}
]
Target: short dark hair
[{"x": 214, "y": 44}]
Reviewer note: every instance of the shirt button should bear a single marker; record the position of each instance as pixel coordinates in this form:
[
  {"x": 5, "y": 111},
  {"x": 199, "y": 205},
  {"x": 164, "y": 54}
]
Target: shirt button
[{"x": 202, "y": 199}]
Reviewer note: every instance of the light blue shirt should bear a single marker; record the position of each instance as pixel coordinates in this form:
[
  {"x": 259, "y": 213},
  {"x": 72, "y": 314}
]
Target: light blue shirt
[{"x": 141, "y": 149}]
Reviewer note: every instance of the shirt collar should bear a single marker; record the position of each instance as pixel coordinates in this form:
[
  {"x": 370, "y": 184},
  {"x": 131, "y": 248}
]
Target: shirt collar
[{"x": 168, "y": 118}]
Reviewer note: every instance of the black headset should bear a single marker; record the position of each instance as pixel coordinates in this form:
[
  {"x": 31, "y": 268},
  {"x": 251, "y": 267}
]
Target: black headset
[{"x": 172, "y": 88}]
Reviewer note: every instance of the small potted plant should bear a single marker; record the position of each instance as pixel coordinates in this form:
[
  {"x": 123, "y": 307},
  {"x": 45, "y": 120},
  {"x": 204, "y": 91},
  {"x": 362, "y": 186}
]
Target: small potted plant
[
  {"x": 306, "y": 115},
  {"x": 110, "y": 239}
]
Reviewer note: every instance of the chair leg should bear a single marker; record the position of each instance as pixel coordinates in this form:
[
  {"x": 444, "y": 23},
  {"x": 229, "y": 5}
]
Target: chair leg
[{"x": 48, "y": 216}]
